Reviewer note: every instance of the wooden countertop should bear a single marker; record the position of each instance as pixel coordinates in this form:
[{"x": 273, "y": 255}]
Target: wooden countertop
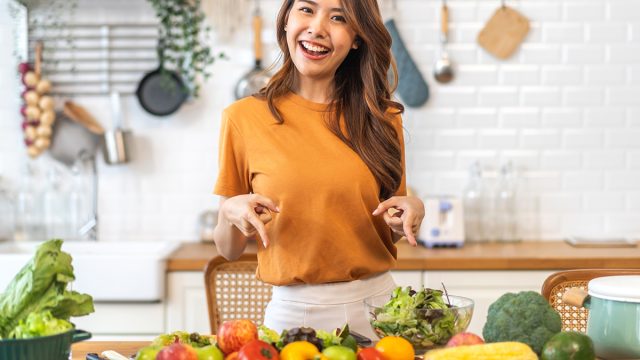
[{"x": 528, "y": 255}]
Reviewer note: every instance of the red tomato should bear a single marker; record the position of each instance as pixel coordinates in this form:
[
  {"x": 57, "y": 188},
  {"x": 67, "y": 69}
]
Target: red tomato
[
  {"x": 258, "y": 350},
  {"x": 370, "y": 354}
]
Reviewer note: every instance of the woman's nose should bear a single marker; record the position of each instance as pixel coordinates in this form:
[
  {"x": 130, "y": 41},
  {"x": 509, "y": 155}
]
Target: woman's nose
[{"x": 317, "y": 27}]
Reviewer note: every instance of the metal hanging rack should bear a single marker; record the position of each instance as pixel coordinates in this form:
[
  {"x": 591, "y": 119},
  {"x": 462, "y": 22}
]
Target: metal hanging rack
[{"x": 90, "y": 59}]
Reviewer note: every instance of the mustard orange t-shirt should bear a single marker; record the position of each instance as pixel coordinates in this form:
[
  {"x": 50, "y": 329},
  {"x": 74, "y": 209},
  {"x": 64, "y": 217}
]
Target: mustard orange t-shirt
[{"x": 325, "y": 231}]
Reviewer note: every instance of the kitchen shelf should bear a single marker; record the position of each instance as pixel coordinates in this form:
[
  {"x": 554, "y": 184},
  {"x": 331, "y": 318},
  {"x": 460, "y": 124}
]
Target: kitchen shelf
[{"x": 94, "y": 59}]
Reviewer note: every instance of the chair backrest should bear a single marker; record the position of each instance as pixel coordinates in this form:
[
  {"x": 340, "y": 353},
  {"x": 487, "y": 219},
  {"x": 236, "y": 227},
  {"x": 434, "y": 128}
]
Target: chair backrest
[
  {"x": 575, "y": 318},
  {"x": 233, "y": 292}
]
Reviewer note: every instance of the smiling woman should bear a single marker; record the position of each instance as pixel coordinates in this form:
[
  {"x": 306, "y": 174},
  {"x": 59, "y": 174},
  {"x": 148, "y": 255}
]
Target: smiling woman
[{"x": 324, "y": 132}]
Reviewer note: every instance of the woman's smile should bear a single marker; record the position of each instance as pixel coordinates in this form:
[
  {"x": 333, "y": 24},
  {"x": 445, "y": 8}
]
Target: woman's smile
[{"x": 313, "y": 51}]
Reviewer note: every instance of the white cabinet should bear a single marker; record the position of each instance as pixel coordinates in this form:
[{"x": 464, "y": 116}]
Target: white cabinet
[
  {"x": 186, "y": 304},
  {"x": 123, "y": 321},
  {"x": 484, "y": 287}
]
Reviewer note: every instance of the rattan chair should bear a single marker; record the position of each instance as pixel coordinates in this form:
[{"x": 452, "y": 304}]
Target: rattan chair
[
  {"x": 575, "y": 318},
  {"x": 233, "y": 292}
]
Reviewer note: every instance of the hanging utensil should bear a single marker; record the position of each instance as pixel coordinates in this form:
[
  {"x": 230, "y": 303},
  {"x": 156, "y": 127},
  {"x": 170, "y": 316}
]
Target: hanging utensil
[
  {"x": 504, "y": 32},
  {"x": 257, "y": 78},
  {"x": 78, "y": 114},
  {"x": 71, "y": 137},
  {"x": 161, "y": 92},
  {"x": 443, "y": 68},
  {"x": 116, "y": 140}
]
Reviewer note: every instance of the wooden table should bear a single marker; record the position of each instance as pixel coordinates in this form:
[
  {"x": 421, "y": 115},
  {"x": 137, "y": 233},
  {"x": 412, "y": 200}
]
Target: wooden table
[{"x": 80, "y": 350}]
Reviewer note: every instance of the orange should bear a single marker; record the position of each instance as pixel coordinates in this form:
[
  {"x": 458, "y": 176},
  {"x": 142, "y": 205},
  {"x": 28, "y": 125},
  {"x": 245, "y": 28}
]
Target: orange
[
  {"x": 395, "y": 348},
  {"x": 300, "y": 350}
]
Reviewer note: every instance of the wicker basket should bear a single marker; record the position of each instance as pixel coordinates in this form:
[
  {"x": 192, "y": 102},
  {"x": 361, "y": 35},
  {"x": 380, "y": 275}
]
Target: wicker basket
[{"x": 54, "y": 347}]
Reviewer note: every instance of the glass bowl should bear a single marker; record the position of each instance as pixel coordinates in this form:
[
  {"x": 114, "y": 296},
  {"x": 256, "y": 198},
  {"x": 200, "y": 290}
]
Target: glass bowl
[{"x": 424, "y": 328}]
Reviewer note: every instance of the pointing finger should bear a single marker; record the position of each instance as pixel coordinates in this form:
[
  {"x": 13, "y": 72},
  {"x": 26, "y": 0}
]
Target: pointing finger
[
  {"x": 408, "y": 231},
  {"x": 259, "y": 225}
]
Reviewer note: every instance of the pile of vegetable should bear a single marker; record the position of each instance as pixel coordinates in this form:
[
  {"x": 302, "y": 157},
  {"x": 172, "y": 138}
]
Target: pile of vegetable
[
  {"x": 36, "y": 302},
  {"x": 406, "y": 315}
]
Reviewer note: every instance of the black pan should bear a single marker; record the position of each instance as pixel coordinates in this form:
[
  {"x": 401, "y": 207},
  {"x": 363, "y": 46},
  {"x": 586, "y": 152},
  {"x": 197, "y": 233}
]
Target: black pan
[{"x": 161, "y": 92}]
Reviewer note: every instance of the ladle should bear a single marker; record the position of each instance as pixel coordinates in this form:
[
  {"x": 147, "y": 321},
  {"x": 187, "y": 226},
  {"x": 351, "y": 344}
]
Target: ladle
[{"x": 443, "y": 68}]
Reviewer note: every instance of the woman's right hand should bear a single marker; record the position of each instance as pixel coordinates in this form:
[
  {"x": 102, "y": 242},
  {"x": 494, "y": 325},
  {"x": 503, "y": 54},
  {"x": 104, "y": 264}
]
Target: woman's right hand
[{"x": 249, "y": 213}]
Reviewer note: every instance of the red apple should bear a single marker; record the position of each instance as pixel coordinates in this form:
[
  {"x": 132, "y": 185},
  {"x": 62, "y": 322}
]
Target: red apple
[
  {"x": 232, "y": 356},
  {"x": 233, "y": 334},
  {"x": 464, "y": 338},
  {"x": 370, "y": 354},
  {"x": 258, "y": 350},
  {"x": 177, "y": 351}
]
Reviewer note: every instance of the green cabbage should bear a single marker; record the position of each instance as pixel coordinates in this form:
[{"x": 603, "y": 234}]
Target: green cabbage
[
  {"x": 40, "y": 286},
  {"x": 40, "y": 324}
]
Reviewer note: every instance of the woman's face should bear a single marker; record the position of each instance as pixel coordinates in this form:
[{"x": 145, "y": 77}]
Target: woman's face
[{"x": 318, "y": 37}]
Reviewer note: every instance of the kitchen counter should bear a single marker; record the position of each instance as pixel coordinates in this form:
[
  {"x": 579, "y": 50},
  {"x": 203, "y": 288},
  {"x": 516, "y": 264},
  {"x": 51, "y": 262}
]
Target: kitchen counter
[{"x": 528, "y": 255}]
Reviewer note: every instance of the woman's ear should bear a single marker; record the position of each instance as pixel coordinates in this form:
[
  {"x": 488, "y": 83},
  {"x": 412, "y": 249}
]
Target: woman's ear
[{"x": 356, "y": 43}]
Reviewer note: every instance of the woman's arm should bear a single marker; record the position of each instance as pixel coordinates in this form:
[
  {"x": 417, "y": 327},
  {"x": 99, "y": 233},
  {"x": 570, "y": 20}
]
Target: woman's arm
[
  {"x": 229, "y": 240},
  {"x": 240, "y": 218}
]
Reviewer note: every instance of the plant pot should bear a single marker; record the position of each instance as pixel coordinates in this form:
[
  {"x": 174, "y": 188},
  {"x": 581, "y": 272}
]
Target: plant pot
[{"x": 54, "y": 347}]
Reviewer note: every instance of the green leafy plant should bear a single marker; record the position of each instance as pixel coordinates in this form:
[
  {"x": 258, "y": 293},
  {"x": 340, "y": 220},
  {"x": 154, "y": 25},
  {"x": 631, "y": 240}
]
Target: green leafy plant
[{"x": 182, "y": 43}]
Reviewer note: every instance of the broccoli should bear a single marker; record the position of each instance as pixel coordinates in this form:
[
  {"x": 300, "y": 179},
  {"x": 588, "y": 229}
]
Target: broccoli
[{"x": 526, "y": 317}]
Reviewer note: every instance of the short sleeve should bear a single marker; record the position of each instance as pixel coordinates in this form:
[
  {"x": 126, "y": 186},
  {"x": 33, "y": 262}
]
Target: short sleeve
[
  {"x": 397, "y": 124},
  {"x": 233, "y": 166}
]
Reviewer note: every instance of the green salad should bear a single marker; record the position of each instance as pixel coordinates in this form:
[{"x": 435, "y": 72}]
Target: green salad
[{"x": 423, "y": 317}]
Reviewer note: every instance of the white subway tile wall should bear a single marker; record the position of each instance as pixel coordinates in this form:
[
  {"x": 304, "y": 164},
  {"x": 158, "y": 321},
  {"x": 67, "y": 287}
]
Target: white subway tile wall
[{"x": 565, "y": 109}]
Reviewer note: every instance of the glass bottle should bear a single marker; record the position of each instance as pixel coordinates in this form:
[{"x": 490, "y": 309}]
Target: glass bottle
[
  {"x": 472, "y": 200},
  {"x": 6, "y": 212},
  {"x": 56, "y": 207},
  {"x": 29, "y": 225},
  {"x": 505, "y": 205}
]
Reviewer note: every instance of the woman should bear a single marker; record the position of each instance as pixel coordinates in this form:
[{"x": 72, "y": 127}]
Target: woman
[{"x": 313, "y": 166}]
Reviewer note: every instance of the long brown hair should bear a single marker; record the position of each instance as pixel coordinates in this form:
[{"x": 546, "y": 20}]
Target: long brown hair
[{"x": 362, "y": 75}]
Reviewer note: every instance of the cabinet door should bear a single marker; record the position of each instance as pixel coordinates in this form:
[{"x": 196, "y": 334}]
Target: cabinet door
[
  {"x": 123, "y": 321},
  {"x": 484, "y": 287},
  {"x": 186, "y": 306}
]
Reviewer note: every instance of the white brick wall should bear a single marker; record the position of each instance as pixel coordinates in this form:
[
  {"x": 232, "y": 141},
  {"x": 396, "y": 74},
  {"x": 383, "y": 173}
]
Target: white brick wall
[{"x": 565, "y": 109}]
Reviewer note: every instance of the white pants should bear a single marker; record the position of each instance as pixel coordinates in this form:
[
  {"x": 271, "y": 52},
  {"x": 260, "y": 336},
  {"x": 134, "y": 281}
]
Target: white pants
[{"x": 326, "y": 306}]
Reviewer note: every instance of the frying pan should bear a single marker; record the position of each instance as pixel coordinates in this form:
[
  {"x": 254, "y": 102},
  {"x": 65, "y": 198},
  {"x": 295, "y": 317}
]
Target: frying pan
[
  {"x": 161, "y": 92},
  {"x": 257, "y": 78}
]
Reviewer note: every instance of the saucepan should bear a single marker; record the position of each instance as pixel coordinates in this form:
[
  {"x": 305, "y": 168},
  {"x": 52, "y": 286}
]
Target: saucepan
[{"x": 614, "y": 314}]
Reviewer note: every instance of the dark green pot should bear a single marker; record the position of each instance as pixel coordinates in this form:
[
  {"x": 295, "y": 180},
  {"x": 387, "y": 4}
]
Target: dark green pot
[{"x": 54, "y": 347}]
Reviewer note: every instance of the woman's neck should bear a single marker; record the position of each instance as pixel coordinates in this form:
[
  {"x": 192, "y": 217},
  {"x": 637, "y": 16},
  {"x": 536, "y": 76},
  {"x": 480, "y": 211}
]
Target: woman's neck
[{"x": 315, "y": 90}]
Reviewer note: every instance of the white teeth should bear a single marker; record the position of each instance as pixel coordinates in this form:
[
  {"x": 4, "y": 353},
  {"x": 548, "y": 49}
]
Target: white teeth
[{"x": 312, "y": 47}]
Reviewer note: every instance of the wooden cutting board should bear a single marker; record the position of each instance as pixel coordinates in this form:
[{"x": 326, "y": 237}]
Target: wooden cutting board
[{"x": 504, "y": 32}]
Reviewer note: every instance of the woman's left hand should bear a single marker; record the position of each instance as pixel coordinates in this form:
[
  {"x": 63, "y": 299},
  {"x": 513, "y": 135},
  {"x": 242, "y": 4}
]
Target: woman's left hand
[{"x": 407, "y": 217}]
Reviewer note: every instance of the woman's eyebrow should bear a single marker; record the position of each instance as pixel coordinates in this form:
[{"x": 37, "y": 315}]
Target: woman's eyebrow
[{"x": 316, "y": 4}]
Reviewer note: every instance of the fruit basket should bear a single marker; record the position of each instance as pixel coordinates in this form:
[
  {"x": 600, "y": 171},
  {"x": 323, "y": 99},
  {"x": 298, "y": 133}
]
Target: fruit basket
[{"x": 427, "y": 320}]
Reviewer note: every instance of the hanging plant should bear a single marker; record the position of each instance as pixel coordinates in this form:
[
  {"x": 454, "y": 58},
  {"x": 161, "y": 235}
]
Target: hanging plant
[{"x": 182, "y": 42}]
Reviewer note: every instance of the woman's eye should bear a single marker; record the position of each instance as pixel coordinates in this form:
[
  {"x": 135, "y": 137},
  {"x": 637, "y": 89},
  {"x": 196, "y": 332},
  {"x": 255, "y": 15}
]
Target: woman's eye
[
  {"x": 339, "y": 18},
  {"x": 306, "y": 10}
]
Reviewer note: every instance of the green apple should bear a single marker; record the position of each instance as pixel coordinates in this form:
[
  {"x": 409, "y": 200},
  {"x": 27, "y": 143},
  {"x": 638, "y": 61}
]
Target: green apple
[
  {"x": 148, "y": 353},
  {"x": 209, "y": 352},
  {"x": 338, "y": 352}
]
